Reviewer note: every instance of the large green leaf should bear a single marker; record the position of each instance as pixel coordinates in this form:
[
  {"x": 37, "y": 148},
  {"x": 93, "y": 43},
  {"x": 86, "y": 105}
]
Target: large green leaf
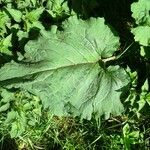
[{"x": 65, "y": 69}]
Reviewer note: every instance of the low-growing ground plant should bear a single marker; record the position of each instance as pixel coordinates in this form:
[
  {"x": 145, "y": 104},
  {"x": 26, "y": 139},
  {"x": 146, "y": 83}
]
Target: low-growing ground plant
[{"x": 74, "y": 74}]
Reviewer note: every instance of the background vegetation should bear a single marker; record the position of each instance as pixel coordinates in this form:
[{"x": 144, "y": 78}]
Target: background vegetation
[{"x": 21, "y": 21}]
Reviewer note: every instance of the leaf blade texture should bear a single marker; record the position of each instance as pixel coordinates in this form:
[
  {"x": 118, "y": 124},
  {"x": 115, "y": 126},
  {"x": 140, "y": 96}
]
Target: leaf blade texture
[{"x": 62, "y": 68}]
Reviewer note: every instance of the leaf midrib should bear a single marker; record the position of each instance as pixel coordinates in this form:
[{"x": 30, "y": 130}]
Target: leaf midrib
[{"x": 33, "y": 74}]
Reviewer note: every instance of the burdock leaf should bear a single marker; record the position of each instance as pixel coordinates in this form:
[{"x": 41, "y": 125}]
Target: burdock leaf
[{"x": 65, "y": 69}]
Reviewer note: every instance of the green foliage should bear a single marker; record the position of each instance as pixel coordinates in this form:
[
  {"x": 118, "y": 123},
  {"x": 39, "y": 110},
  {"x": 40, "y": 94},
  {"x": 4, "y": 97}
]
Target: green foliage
[
  {"x": 74, "y": 74},
  {"x": 5, "y": 43},
  {"x": 141, "y": 14},
  {"x": 142, "y": 35},
  {"x": 63, "y": 62},
  {"x": 19, "y": 111},
  {"x": 140, "y": 11},
  {"x": 57, "y": 8}
]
